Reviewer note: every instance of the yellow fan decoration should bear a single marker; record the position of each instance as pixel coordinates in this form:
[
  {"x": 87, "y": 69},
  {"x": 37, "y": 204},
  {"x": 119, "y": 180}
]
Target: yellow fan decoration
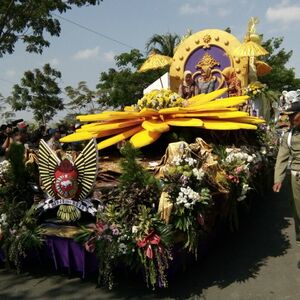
[{"x": 160, "y": 110}]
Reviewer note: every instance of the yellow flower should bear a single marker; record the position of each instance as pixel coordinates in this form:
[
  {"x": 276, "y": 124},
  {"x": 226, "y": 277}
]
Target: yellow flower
[{"x": 157, "y": 112}]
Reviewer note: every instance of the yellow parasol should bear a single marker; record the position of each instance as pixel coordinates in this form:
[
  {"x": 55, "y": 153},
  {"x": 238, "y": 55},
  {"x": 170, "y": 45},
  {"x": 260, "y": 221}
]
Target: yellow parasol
[
  {"x": 155, "y": 61},
  {"x": 249, "y": 49}
]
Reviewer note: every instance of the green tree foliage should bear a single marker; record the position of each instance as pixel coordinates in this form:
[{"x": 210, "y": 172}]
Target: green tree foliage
[
  {"x": 124, "y": 86},
  {"x": 30, "y": 20},
  {"x": 82, "y": 98},
  {"x": 281, "y": 78},
  {"x": 38, "y": 91},
  {"x": 164, "y": 44},
  {"x": 5, "y": 115}
]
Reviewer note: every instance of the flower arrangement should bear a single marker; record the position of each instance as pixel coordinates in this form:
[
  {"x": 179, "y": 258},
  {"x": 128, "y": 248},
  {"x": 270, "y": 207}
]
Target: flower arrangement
[
  {"x": 158, "y": 99},
  {"x": 188, "y": 192},
  {"x": 254, "y": 89},
  {"x": 4, "y": 169},
  {"x": 19, "y": 231},
  {"x": 241, "y": 166},
  {"x": 128, "y": 230}
]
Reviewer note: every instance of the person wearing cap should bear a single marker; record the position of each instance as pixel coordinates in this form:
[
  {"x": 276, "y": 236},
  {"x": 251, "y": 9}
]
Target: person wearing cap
[{"x": 289, "y": 153}]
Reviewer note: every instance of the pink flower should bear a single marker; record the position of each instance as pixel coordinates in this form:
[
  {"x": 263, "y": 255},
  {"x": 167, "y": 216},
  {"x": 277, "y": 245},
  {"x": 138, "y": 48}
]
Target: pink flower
[
  {"x": 99, "y": 227},
  {"x": 233, "y": 178},
  {"x": 90, "y": 245},
  {"x": 239, "y": 169}
]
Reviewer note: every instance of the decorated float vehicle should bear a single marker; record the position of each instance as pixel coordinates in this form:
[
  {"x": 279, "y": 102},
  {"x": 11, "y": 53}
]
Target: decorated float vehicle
[{"x": 149, "y": 210}]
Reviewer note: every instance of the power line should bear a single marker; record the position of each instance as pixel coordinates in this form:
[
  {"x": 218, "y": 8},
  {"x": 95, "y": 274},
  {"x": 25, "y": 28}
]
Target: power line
[{"x": 93, "y": 31}]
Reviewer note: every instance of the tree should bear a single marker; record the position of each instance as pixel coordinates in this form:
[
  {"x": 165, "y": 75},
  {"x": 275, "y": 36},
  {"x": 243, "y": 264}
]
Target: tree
[
  {"x": 38, "y": 91},
  {"x": 29, "y": 20},
  {"x": 82, "y": 98},
  {"x": 4, "y": 113},
  {"x": 281, "y": 78},
  {"x": 164, "y": 44},
  {"x": 125, "y": 85}
]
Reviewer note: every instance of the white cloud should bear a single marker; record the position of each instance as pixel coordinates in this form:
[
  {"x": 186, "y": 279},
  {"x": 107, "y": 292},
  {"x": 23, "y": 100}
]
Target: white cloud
[
  {"x": 109, "y": 56},
  {"x": 188, "y": 9},
  {"x": 86, "y": 54},
  {"x": 10, "y": 73},
  {"x": 284, "y": 13}
]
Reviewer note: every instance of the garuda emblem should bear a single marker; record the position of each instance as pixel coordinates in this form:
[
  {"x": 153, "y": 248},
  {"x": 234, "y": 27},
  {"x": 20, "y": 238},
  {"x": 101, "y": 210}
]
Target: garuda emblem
[{"x": 68, "y": 183}]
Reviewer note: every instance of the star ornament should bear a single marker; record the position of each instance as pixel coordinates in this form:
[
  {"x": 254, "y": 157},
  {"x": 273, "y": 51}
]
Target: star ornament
[{"x": 143, "y": 125}]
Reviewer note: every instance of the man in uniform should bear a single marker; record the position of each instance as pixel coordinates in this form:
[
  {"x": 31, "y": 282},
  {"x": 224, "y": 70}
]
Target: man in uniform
[{"x": 289, "y": 151}]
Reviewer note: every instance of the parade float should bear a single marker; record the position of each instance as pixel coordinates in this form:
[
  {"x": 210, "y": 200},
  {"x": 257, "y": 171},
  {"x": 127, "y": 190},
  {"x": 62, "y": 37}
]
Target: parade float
[{"x": 162, "y": 204}]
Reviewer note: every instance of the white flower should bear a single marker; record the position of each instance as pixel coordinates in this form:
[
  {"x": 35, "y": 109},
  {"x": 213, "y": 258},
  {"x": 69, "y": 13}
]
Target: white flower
[
  {"x": 188, "y": 197},
  {"x": 190, "y": 161},
  {"x": 198, "y": 173},
  {"x": 3, "y": 219},
  {"x": 134, "y": 229},
  {"x": 228, "y": 150},
  {"x": 122, "y": 248},
  {"x": 176, "y": 160},
  {"x": 250, "y": 158},
  {"x": 187, "y": 205}
]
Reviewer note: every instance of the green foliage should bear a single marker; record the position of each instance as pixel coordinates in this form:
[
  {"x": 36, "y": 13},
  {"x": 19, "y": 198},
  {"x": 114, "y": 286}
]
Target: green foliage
[
  {"x": 281, "y": 78},
  {"x": 82, "y": 98},
  {"x": 133, "y": 173},
  {"x": 29, "y": 21},
  {"x": 38, "y": 91},
  {"x": 164, "y": 44},
  {"x": 6, "y": 115},
  {"x": 20, "y": 242},
  {"x": 19, "y": 230},
  {"x": 124, "y": 86}
]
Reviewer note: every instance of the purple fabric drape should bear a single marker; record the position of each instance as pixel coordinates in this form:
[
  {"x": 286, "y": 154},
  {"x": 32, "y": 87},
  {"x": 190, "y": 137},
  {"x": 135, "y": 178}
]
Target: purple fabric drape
[
  {"x": 63, "y": 253},
  {"x": 66, "y": 253}
]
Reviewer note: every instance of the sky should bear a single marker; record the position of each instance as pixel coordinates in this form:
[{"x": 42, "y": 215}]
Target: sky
[{"x": 82, "y": 55}]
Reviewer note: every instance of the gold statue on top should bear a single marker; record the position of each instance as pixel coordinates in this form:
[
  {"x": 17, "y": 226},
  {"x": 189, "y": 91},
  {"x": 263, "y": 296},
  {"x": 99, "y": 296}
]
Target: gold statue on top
[{"x": 207, "y": 61}]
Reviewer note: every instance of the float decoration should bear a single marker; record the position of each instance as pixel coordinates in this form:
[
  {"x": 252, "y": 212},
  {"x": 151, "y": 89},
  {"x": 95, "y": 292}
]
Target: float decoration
[
  {"x": 145, "y": 125},
  {"x": 68, "y": 183}
]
